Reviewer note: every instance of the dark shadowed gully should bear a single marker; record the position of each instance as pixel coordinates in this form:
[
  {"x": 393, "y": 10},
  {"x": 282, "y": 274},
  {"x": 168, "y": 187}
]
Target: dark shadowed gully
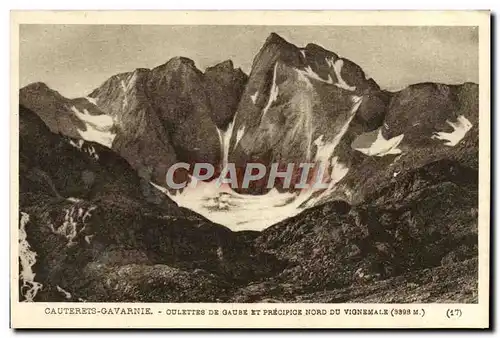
[{"x": 397, "y": 219}]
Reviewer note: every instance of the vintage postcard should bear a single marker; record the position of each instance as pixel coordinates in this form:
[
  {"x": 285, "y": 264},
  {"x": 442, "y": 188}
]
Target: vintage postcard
[{"x": 250, "y": 169}]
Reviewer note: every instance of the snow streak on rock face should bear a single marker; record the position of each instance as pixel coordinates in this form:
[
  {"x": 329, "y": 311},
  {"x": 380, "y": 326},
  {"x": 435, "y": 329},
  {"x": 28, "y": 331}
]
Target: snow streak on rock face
[
  {"x": 326, "y": 159},
  {"x": 460, "y": 129},
  {"x": 337, "y": 67},
  {"x": 239, "y": 135},
  {"x": 273, "y": 94},
  {"x": 65, "y": 293},
  {"x": 325, "y": 150},
  {"x": 308, "y": 72},
  {"x": 27, "y": 258},
  {"x": 225, "y": 139},
  {"x": 100, "y": 122}
]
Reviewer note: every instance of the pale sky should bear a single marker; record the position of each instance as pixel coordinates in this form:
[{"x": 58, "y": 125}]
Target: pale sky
[{"x": 75, "y": 59}]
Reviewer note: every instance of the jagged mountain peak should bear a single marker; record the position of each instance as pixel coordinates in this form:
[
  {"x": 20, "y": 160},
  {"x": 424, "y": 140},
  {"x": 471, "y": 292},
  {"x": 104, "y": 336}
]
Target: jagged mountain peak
[
  {"x": 225, "y": 66},
  {"x": 313, "y": 47},
  {"x": 224, "y": 70},
  {"x": 286, "y": 49},
  {"x": 41, "y": 88},
  {"x": 315, "y": 61},
  {"x": 275, "y": 38},
  {"x": 141, "y": 70},
  {"x": 38, "y": 85},
  {"x": 109, "y": 84},
  {"x": 292, "y": 54},
  {"x": 175, "y": 63}
]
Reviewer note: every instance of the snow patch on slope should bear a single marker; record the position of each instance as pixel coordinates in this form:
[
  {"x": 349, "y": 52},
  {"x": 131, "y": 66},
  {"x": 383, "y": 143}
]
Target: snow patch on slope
[
  {"x": 101, "y": 122},
  {"x": 325, "y": 150},
  {"x": 460, "y": 129},
  {"x": 373, "y": 143},
  {"x": 254, "y": 97},
  {"x": 92, "y": 100},
  {"x": 98, "y": 127},
  {"x": 105, "y": 139}
]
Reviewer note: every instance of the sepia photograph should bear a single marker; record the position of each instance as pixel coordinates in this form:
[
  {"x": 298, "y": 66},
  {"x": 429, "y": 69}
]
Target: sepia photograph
[{"x": 250, "y": 164}]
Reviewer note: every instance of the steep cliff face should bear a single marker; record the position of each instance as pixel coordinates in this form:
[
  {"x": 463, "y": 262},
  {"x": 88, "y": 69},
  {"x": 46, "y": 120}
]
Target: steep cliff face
[
  {"x": 225, "y": 86},
  {"x": 298, "y": 105}
]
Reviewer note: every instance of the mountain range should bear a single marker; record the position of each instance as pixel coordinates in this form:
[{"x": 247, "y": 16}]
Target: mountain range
[{"x": 397, "y": 222}]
